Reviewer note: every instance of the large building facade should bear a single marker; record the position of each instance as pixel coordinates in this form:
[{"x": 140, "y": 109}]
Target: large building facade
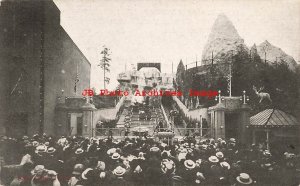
[{"x": 39, "y": 63}]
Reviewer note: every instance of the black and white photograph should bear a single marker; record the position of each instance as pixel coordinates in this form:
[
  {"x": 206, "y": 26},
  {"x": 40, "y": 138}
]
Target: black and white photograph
[{"x": 149, "y": 92}]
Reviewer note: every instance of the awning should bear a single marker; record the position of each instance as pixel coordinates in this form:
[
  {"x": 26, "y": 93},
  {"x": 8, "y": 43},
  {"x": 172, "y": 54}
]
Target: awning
[{"x": 273, "y": 118}]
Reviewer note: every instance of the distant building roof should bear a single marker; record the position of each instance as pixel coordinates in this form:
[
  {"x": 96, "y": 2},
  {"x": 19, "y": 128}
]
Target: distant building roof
[{"x": 273, "y": 118}]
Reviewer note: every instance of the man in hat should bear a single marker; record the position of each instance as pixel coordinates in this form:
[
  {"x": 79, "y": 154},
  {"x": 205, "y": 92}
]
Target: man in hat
[
  {"x": 76, "y": 174},
  {"x": 168, "y": 169},
  {"x": 120, "y": 176},
  {"x": 188, "y": 173},
  {"x": 136, "y": 175}
]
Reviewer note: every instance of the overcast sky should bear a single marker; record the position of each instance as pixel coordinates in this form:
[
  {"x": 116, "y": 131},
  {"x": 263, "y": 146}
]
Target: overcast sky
[{"x": 169, "y": 30}]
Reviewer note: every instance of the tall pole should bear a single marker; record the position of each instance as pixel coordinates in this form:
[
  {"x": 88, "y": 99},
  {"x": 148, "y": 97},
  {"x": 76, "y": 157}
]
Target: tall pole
[
  {"x": 265, "y": 57},
  {"x": 212, "y": 58},
  {"x": 229, "y": 83},
  {"x": 104, "y": 64}
]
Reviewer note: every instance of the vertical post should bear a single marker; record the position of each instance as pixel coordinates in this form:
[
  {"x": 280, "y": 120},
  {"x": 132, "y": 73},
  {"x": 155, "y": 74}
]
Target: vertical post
[
  {"x": 253, "y": 137},
  {"x": 265, "y": 57},
  {"x": 42, "y": 71},
  {"x": 268, "y": 142},
  {"x": 201, "y": 129},
  {"x": 244, "y": 97},
  {"x": 219, "y": 96}
]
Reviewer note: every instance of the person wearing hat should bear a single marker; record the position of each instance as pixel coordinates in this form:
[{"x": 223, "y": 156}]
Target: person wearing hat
[
  {"x": 88, "y": 177},
  {"x": 115, "y": 161},
  {"x": 136, "y": 175},
  {"x": 188, "y": 172},
  {"x": 76, "y": 174},
  {"x": 39, "y": 174},
  {"x": 220, "y": 156},
  {"x": 51, "y": 178},
  {"x": 215, "y": 170},
  {"x": 119, "y": 176},
  {"x": 39, "y": 157},
  {"x": 168, "y": 169}
]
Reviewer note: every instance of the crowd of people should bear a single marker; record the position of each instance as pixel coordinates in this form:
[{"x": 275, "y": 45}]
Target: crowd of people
[{"x": 41, "y": 161}]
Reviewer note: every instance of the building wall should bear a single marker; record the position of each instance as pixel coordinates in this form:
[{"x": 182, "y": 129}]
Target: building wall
[
  {"x": 20, "y": 56},
  {"x": 31, "y": 32},
  {"x": 63, "y": 60}
]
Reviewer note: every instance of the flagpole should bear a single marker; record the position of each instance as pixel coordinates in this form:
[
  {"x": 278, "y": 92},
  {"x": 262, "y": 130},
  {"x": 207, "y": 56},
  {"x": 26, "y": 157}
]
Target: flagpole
[
  {"x": 16, "y": 85},
  {"x": 76, "y": 77}
]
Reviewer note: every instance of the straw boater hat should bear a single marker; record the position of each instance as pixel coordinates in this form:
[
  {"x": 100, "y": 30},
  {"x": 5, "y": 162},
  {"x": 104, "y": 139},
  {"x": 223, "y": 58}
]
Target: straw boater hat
[
  {"x": 85, "y": 173},
  {"x": 189, "y": 164},
  {"x": 79, "y": 151},
  {"x": 111, "y": 151},
  {"x": 119, "y": 171},
  {"x": 244, "y": 179},
  {"x": 51, "y": 150},
  {"x": 51, "y": 173},
  {"x": 225, "y": 165},
  {"x": 267, "y": 153},
  {"x": 38, "y": 169},
  {"x": 78, "y": 169},
  {"x": 115, "y": 156},
  {"x": 219, "y": 154},
  {"x": 232, "y": 140},
  {"x": 167, "y": 166},
  {"x": 40, "y": 149},
  {"x": 213, "y": 159},
  {"x": 154, "y": 149}
]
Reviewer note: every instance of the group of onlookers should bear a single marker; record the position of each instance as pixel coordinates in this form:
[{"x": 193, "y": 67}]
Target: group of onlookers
[{"x": 75, "y": 160}]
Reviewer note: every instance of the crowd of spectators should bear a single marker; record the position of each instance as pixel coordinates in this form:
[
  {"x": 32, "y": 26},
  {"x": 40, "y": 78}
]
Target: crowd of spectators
[{"x": 41, "y": 161}]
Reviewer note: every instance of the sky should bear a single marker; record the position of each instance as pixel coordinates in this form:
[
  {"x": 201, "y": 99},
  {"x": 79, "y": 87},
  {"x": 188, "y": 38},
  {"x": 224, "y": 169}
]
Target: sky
[{"x": 167, "y": 31}]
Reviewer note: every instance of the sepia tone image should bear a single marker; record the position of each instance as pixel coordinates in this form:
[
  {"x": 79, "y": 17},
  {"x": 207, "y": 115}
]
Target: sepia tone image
[{"x": 149, "y": 92}]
